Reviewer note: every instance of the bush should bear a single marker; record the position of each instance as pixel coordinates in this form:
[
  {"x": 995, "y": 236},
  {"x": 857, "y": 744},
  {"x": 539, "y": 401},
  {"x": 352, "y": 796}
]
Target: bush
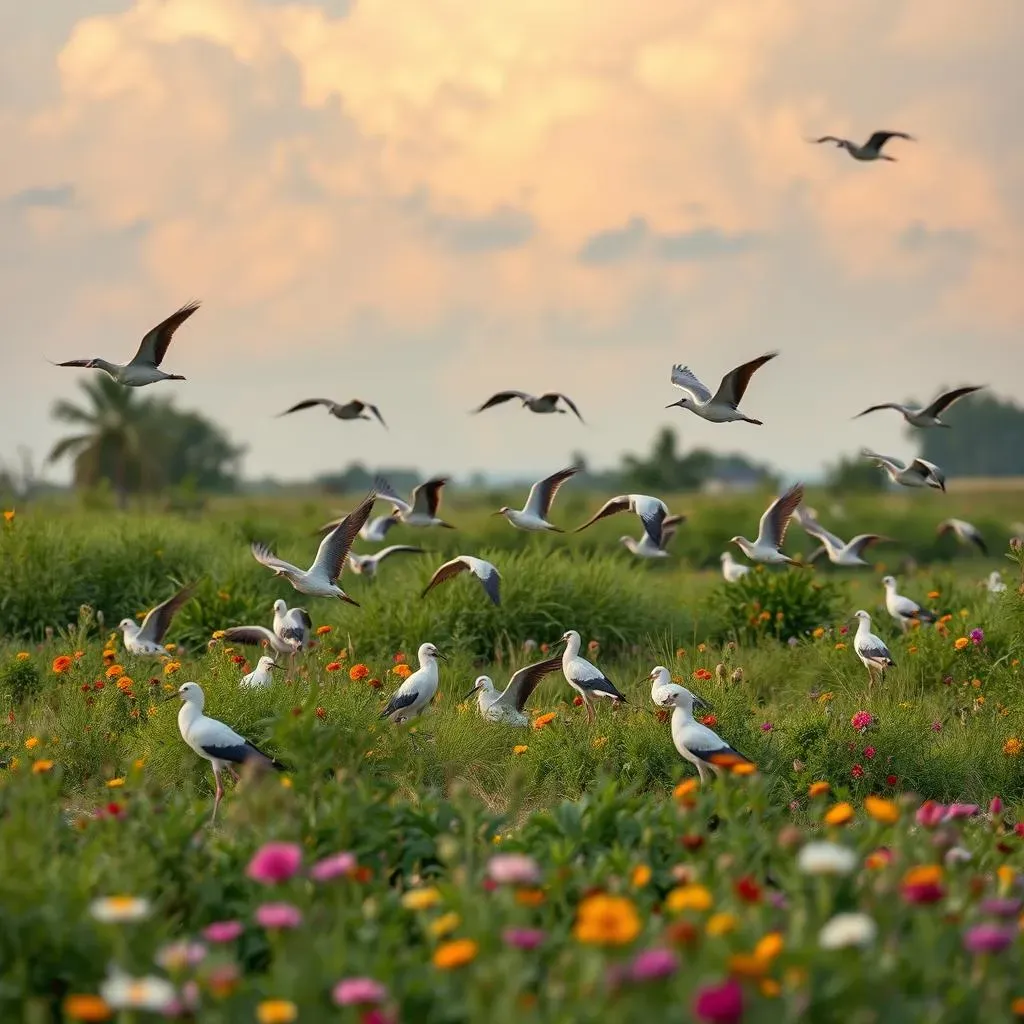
[{"x": 19, "y": 680}]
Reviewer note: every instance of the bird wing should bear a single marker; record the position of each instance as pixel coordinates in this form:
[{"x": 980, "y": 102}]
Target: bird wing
[
  {"x": 156, "y": 622},
  {"x": 76, "y": 362},
  {"x": 427, "y": 497},
  {"x": 590, "y": 677},
  {"x": 706, "y": 744},
  {"x": 297, "y": 623},
  {"x": 376, "y": 412},
  {"x": 875, "y": 408},
  {"x": 816, "y": 554},
  {"x": 308, "y": 404},
  {"x": 153, "y": 347},
  {"x": 329, "y": 525},
  {"x": 926, "y": 469},
  {"x": 379, "y": 525},
  {"x": 609, "y": 508},
  {"x": 503, "y": 396},
  {"x": 669, "y": 528},
  {"x": 686, "y": 380},
  {"x": 490, "y": 580},
  {"x": 525, "y": 681},
  {"x": 333, "y": 551},
  {"x": 395, "y": 549},
  {"x": 266, "y": 557},
  {"x": 543, "y": 492},
  {"x": 872, "y": 648},
  {"x": 399, "y": 700},
  {"x": 879, "y": 139},
  {"x": 826, "y": 138},
  {"x": 813, "y": 528},
  {"x": 387, "y": 493},
  {"x": 946, "y": 400},
  {"x": 254, "y": 635},
  {"x": 862, "y": 541},
  {"x": 735, "y": 382},
  {"x": 886, "y": 461},
  {"x": 652, "y": 513},
  {"x": 775, "y": 521},
  {"x": 568, "y": 401},
  {"x": 446, "y": 572}
]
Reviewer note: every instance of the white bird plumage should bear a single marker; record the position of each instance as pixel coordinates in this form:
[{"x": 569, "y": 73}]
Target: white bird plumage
[
  {"x": 368, "y": 565},
  {"x": 147, "y": 640},
  {"x": 484, "y": 571},
  {"x": 546, "y": 403},
  {"x": 418, "y": 689},
  {"x": 994, "y": 584},
  {"x": 422, "y": 508},
  {"x": 870, "y": 150},
  {"x": 508, "y": 706},
  {"x": 261, "y": 676},
  {"x": 698, "y": 744},
  {"x": 646, "y": 548},
  {"x": 925, "y": 415},
  {"x": 965, "y": 532},
  {"x": 731, "y": 569},
  {"x": 354, "y": 410},
  {"x": 847, "y": 554},
  {"x": 771, "y": 532},
  {"x": 901, "y": 608},
  {"x": 651, "y": 511},
  {"x": 916, "y": 473},
  {"x": 534, "y": 514},
  {"x": 722, "y": 406},
  {"x": 871, "y": 650},
  {"x": 586, "y": 679}
]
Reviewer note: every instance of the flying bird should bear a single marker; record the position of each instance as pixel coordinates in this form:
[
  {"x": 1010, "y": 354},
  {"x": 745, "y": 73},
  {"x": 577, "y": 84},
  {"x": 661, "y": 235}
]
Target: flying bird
[
  {"x": 216, "y": 742},
  {"x": 320, "y": 579},
  {"x": 546, "y": 403},
  {"x": 873, "y": 653},
  {"x": 261, "y": 676},
  {"x": 722, "y": 406},
  {"x": 731, "y": 569},
  {"x": 964, "y": 532},
  {"x": 586, "y": 679},
  {"x": 846, "y": 554},
  {"x": 291, "y": 633},
  {"x": 901, "y": 608},
  {"x": 486, "y": 573},
  {"x": 418, "y": 689},
  {"x": 871, "y": 150},
  {"x": 926, "y": 415},
  {"x": 354, "y": 410},
  {"x": 652, "y": 512},
  {"x": 422, "y": 509},
  {"x": 367, "y": 565},
  {"x": 917, "y": 473},
  {"x": 533, "y": 515},
  {"x": 258, "y": 636},
  {"x": 147, "y": 639},
  {"x": 144, "y": 367},
  {"x": 771, "y": 530},
  {"x": 374, "y": 531},
  {"x": 646, "y": 548},
  {"x": 508, "y": 706}
]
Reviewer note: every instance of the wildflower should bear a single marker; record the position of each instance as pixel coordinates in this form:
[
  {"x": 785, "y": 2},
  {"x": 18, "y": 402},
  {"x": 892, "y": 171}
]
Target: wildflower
[
  {"x": 444, "y": 924},
  {"x": 721, "y": 924},
  {"x": 767, "y": 727},
  {"x": 710, "y": 721},
  {"x": 869, "y": 752},
  {"x": 653, "y": 965},
  {"x": 398, "y": 658},
  {"x": 825, "y": 697},
  {"x": 171, "y": 667},
  {"x": 24, "y": 656},
  {"x": 954, "y": 811},
  {"x": 522, "y": 938},
  {"x": 529, "y": 897},
  {"x": 818, "y": 633},
  {"x": 685, "y": 789},
  {"x": 32, "y": 742},
  {"x": 840, "y": 646},
  {"x": 543, "y": 720},
  {"x": 332, "y": 666},
  {"x": 358, "y": 991},
  {"x": 823, "y": 858},
  {"x": 921, "y": 884},
  {"x": 513, "y": 869},
  {"x": 737, "y": 675},
  {"x": 688, "y": 897},
  {"x": 115, "y": 783},
  {"x": 640, "y": 876},
  {"x": 333, "y": 867},
  {"x": 402, "y": 671},
  {"x": 113, "y": 671},
  {"x": 961, "y": 643},
  {"x": 119, "y": 909},
  {"x": 62, "y": 664},
  {"x": 850, "y": 929},
  {"x": 607, "y": 920},
  {"x": 936, "y": 727},
  {"x": 9, "y": 514},
  {"x": 278, "y": 915},
  {"x": 420, "y": 899},
  {"x": 223, "y": 931},
  {"x": 357, "y": 672},
  {"x": 702, "y": 674},
  {"x": 857, "y": 771},
  {"x": 719, "y": 1004},
  {"x": 747, "y": 889},
  {"x": 86, "y": 1008},
  {"x": 1001, "y": 907},
  {"x": 323, "y": 630},
  {"x": 818, "y": 789},
  {"x": 891, "y": 780},
  {"x": 839, "y": 814},
  {"x": 177, "y": 956},
  {"x": 276, "y": 1011},
  {"x": 122, "y": 992},
  {"x": 1017, "y": 1006},
  {"x": 885, "y": 811},
  {"x": 988, "y": 938},
  {"x": 930, "y": 814},
  {"x": 274, "y": 862},
  {"x": 680, "y": 653},
  {"x": 769, "y": 947},
  {"x": 861, "y": 720},
  {"x": 41, "y": 766},
  {"x": 1012, "y": 747},
  {"x": 520, "y": 748},
  {"x": 454, "y": 954}
]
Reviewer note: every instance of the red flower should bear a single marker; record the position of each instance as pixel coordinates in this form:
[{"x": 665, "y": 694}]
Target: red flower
[
  {"x": 332, "y": 666},
  {"x": 238, "y": 659},
  {"x": 748, "y": 890},
  {"x": 98, "y": 685},
  {"x": 399, "y": 658},
  {"x": 694, "y": 842},
  {"x": 710, "y": 721},
  {"x": 115, "y": 810},
  {"x": 296, "y": 712},
  {"x": 869, "y": 752},
  {"x": 362, "y": 874},
  {"x": 891, "y": 780},
  {"x": 857, "y": 772},
  {"x": 577, "y": 701},
  {"x": 86, "y": 687},
  {"x": 321, "y": 713},
  {"x": 376, "y": 684}
]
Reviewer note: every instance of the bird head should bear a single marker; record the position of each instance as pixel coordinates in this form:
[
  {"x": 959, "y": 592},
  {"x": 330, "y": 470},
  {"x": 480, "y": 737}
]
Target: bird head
[
  {"x": 189, "y": 693},
  {"x": 736, "y": 541},
  {"x": 683, "y": 403},
  {"x": 659, "y": 674},
  {"x": 126, "y": 624},
  {"x": 889, "y": 581},
  {"x": 267, "y": 662},
  {"x": 862, "y": 616},
  {"x": 566, "y": 637},
  {"x": 482, "y": 683},
  {"x": 937, "y": 483},
  {"x": 280, "y": 607},
  {"x": 428, "y": 652},
  {"x": 501, "y": 511}
]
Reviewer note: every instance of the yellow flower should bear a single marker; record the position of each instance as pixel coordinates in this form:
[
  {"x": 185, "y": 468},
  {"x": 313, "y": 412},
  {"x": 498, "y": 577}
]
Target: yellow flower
[
  {"x": 170, "y": 648},
  {"x": 421, "y": 899},
  {"x": 818, "y": 789},
  {"x": 885, "y": 811},
  {"x": 769, "y": 947},
  {"x": 171, "y": 667},
  {"x": 218, "y": 634},
  {"x": 115, "y": 783},
  {"x": 12, "y": 765},
  {"x": 641, "y": 876},
  {"x": 32, "y": 742},
  {"x": 1006, "y": 876},
  {"x": 41, "y": 766},
  {"x": 840, "y": 647},
  {"x": 444, "y": 924},
  {"x": 701, "y": 648},
  {"x": 604, "y": 920},
  {"x": 961, "y": 643},
  {"x": 276, "y": 1011},
  {"x": 839, "y": 814},
  {"x": 1012, "y": 747},
  {"x": 600, "y": 741},
  {"x": 825, "y": 697},
  {"x": 453, "y": 954},
  {"x": 520, "y": 748},
  {"x": 286, "y": 783},
  {"x": 24, "y": 656},
  {"x": 721, "y": 924},
  {"x": 541, "y": 720},
  {"x": 688, "y": 897},
  {"x": 818, "y": 633},
  {"x": 86, "y": 1008}
]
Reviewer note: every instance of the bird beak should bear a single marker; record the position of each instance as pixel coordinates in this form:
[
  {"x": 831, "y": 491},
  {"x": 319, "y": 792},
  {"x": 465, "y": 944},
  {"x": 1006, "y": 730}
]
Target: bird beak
[
  {"x": 498, "y": 513},
  {"x": 471, "y": 692},
  {"x": 438, "y": 654},
  {"x": 273, "y": 664},
  {"x": 558, "y": 643},
  {"x": 672, "y": 405}
]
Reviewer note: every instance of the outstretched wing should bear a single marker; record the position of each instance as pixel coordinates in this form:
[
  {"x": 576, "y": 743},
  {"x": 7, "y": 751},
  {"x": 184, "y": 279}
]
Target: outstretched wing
[
  {"x": 669, "y": 528},
  {"x": 543, "y": 492},
  {"x": 810, "y": 525},
  {"x": 775, "y": 521},
  {"x": 333, "y": 551},
  {"x": 568, "y": 401},
  {"x": 376, "y": 412},
  {"x": 308, "y": 404},
  {"x": 620, "y": 503},
  {"x": 427, "y": 497},
  {"x": 395, "y": 549},
  {"x": 153, "y": 347},
  {"x": 387, "y": 493},
  {"x": 735, "y": 382},
  {"x": 879, "y": 139},
  {"x": 155, "y": 624},
  {"x": 686, "y": 380},
  {"x": 255, "y": 636},
  {"x": 503, "y": 396},
  {"x": 266, "y": 557},
  {"x": 875, "y": 408},
  {"x": 446, "y": 572},
  {"x": 863, "y": 541},
  {"x": 525, "y": 681},
  {"x": 943, "y": 402}
]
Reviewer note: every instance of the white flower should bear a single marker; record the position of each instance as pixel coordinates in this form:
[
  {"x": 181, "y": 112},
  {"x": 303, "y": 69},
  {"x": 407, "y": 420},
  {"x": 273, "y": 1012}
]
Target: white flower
[
  {"x": 847, "y": 930},
  {"x": 123, "y": 992},
  {"x": 826, "y": 859},
  {"x": 120, "y": 909}
]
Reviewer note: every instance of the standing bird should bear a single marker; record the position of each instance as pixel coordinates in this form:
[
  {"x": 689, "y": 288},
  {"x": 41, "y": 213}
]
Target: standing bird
[
  {"x": 873, "y": 653},
  {"x": 546, "y": 403},
  {"x": 702, "y": 747},
  {"x": 652, "y": 512},
  {"x": 917, "y": 473},
  {"x": 144, "y": 367},
  {"x": 927, "y": 415},
  {"x": 871, "y": 150},
  {"x": 426, "y": 499},
  {"x": 646, "y": 548},
  {"x": 994, "y": 584},
  {"x": 508, "y": 706},
  {"x": 771, "y": 531},
  {"x": 731, "y": 569},
  {"x": 367, "y": 565},
  {"x": 722, "y": 406},
  {"x": 661, "y": 684},
  {"x": 354, "y": 410},
  {"x": 901, "y": 608},
  {"x": 261, "y": 676},
  {"x": 291, "y": 633},
  {"x": 417, "y": 690},
  {"x": 848, "y": 555},
  {"x": 147, "y": 639},
  {"x": 487, "y": 574},
  {"x": 533, "y": 515},
  {"x": 964, "y": 532},
  {"x": 586, "y": 679},
  {"x": 216, "y": 742},
  {"x": 320, "y": 579}
]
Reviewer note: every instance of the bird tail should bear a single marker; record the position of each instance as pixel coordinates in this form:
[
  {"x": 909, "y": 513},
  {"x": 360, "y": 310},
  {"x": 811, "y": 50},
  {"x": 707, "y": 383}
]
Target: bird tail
[{"x": 757, "y": 423}]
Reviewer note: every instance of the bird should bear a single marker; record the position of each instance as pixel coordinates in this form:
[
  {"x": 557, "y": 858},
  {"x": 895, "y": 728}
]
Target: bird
[
  {"x": 258, "y": 636},
  {"x": 994, "y": 583},
  {"x": 484, "y": 571},
  {"x": 702, "y": 747},
  {"x": 731, "y": 569},
  {"x": 586, "y": 679},
  {"x": 507, "y": 707},
  {"x": 661, "y": 684},
  {"x": 652, "y": 512},
  {"x": 546, "y": 403},
  {"x": 964, "y": 532},
  {"x": 320, "y": 579},
  {"x": 291, "y": 633},
  {"x": 147, "y": 639},
  {"x": 871, "y": 150},
  {"x": 901, "y": 608},
  {"x": 873, "y": 653},
  {"x": 722, "y": 406},
  {"x": 927, "y": 415},
  {"x": 418, "y": 689},
  {"x": 261, "y": 675},
  {"x": 367, "y": 565},
  {"x": 646, "y": 548},
  {"x": 354, "y": 410},
  {"x": 215, "y": 741},
  {"x": 839, "y": 553},
  {"x": 533, "y": 515},
  {"x": 771, "y": 530},
  {"x": 422, "y": 510},
  {"x": 144, "y": 367},
  {"x": 917, "y": 473},
  {"x": 374, "y": 530}
]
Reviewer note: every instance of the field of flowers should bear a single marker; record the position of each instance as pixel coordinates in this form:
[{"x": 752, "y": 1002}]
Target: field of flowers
[{"x": 870, "y": 869}]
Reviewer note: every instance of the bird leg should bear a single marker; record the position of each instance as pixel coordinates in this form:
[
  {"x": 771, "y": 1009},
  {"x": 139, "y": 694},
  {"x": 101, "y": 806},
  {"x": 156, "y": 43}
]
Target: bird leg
[
  {"x": 217, "y": 795},
  {"x": 591, "y": 717},
  {"x": 233, "y": 773}
]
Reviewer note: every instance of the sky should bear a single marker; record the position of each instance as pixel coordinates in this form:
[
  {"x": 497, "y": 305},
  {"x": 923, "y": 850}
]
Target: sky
[{"x": 419, "y": 204}]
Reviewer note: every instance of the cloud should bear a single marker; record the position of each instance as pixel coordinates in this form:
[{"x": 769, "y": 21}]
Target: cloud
[
  {"x": 615, "y": 244},
  {"x": 636, "y": 238},
  {"x": 919, "y": 237},
  {"x": 503, "y": 228},
  {"x": 50, "y": 197}
]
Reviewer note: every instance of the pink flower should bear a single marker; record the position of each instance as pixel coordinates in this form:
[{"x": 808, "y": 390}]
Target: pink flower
[
  {"x": 223, "y": 931},
  {"x": 523, "y": 938},
  {"x": 513, "y": 869},
  {"x": 857, "y": 771},
  {"x": 954, "y": 811},
  {"x": 278, "y": 915},
  {"x": 861, "y": 720},
  {"x": 988, "y": 938},
  {"x": 869, "y": 752},
  {"x": 767, "y": 727},
  {"x": 930, "y": 814},
  {"x": 1001, "y": 906},
  {"x": 995, "y": 806},
  {"x": 274, "y": 862},
  {"x": 353, "y": 991},
  {"x": 977, "y": 636},
  {"x": 719, "y": 1004},
  {"x": 333, "y": 866},
  {"x": 936, "y": 727},
  {"x": 653, "y": 964}
]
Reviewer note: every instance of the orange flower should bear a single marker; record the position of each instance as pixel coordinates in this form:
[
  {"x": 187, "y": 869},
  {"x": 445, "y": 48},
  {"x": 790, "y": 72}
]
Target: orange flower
[
  {"x": 86, "y": 1008},
  {"x": 332, "y": 666},
  {"x": 32, "y": 742},
  {"x": 41, "y": 766},
  {"x": 744, "y": 768},
  {"x": 926, "y": 874},
  {"x": 357, "y": 672},
  {"x": 641, "y": 876},
  {"x": 402, "y": 671},
  {"x": 8, "y": 515},
  {"x": 885, "y": 811},
  {"x": 818, "y": 789},
  {"x": 529, "y": 897},
  {"x": 604, "y": 920},
  {"x": 961, "y": 642},
  {"x": 839, "y": 814},
  {"x": 542, "y": 720},
  {"x": 113, "y": 671},
  {"x": 520, "y": 748},
  {"x": 685, "y": 788},
  {"x": 453, "y": 954},
  {"x": 62, "y": 664},
  {"x": 322, "y": 630}
]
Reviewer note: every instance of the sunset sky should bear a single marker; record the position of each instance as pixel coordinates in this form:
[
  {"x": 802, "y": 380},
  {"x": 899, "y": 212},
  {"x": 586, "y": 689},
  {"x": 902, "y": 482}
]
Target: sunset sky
[{"x": 421, "y": 203}]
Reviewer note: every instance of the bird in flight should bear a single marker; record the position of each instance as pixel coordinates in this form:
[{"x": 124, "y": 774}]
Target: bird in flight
[
  {"x": 534, "y": 514},
  {"x": 354, "y": 410},
  {"x": 926, "y": 415},
  {"x": 484, "y": 571},
  {"x": 722, "y": 406},
  {"x": 421, "y": 510},
  {"x": 917, "y": 473},
  {"x": 546, "y": 403},
  {"x": 771, "y": 530},
  {"x": 871, "y": 150}
]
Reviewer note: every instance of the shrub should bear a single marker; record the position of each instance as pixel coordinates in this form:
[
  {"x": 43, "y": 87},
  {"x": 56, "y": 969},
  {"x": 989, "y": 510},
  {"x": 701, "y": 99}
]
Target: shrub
[{"x": 19, "y": 680}]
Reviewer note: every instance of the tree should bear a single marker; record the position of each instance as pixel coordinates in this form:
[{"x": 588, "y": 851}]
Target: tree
[
  {"x": 665, "y": 471},
  {"x": 193, "y": 450},
  {"x": 986, "y": 438},
  {"x": 850, "y": 475}
]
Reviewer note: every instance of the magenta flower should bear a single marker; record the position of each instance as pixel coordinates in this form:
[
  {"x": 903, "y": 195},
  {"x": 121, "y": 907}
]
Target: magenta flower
[
  {"x": 1001, "y": 907},
  {"x": 356, "y": 991},
  {"x": 954, "y": 811},
  {"x": 653, "y": 964},
  {"x": 977, "y": 636},
  {"x": 767, "y": 727},
  {"x": 179, "y": 956},
  {"x": 332, "y": 867},
  {"x": 274, "y": 862},
  {"x": 513, "y": 869},
  {"x": 936, "y": 727},
  {"x": 869, "y": 752},
  {"x": 719, "y": 1004},
  {"x": 861, "y": 720},
  {"x": 995, "y": 806},
  {"x": 223, "y": 931},
  {"x": 930, "y": 814},
  {"x": 278, "y": 915},
  {"x": 523, "y": 938},
  {"x": 988, "y": 938}
]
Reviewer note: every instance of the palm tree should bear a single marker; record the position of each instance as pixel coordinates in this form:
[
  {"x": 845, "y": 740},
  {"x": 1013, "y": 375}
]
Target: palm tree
[{"x": 117, "y": 427}]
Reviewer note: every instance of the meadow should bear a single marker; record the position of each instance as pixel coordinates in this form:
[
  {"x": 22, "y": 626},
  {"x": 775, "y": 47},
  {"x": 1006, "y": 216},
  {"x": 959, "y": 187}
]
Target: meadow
[{"x": 453, "y": 869}]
